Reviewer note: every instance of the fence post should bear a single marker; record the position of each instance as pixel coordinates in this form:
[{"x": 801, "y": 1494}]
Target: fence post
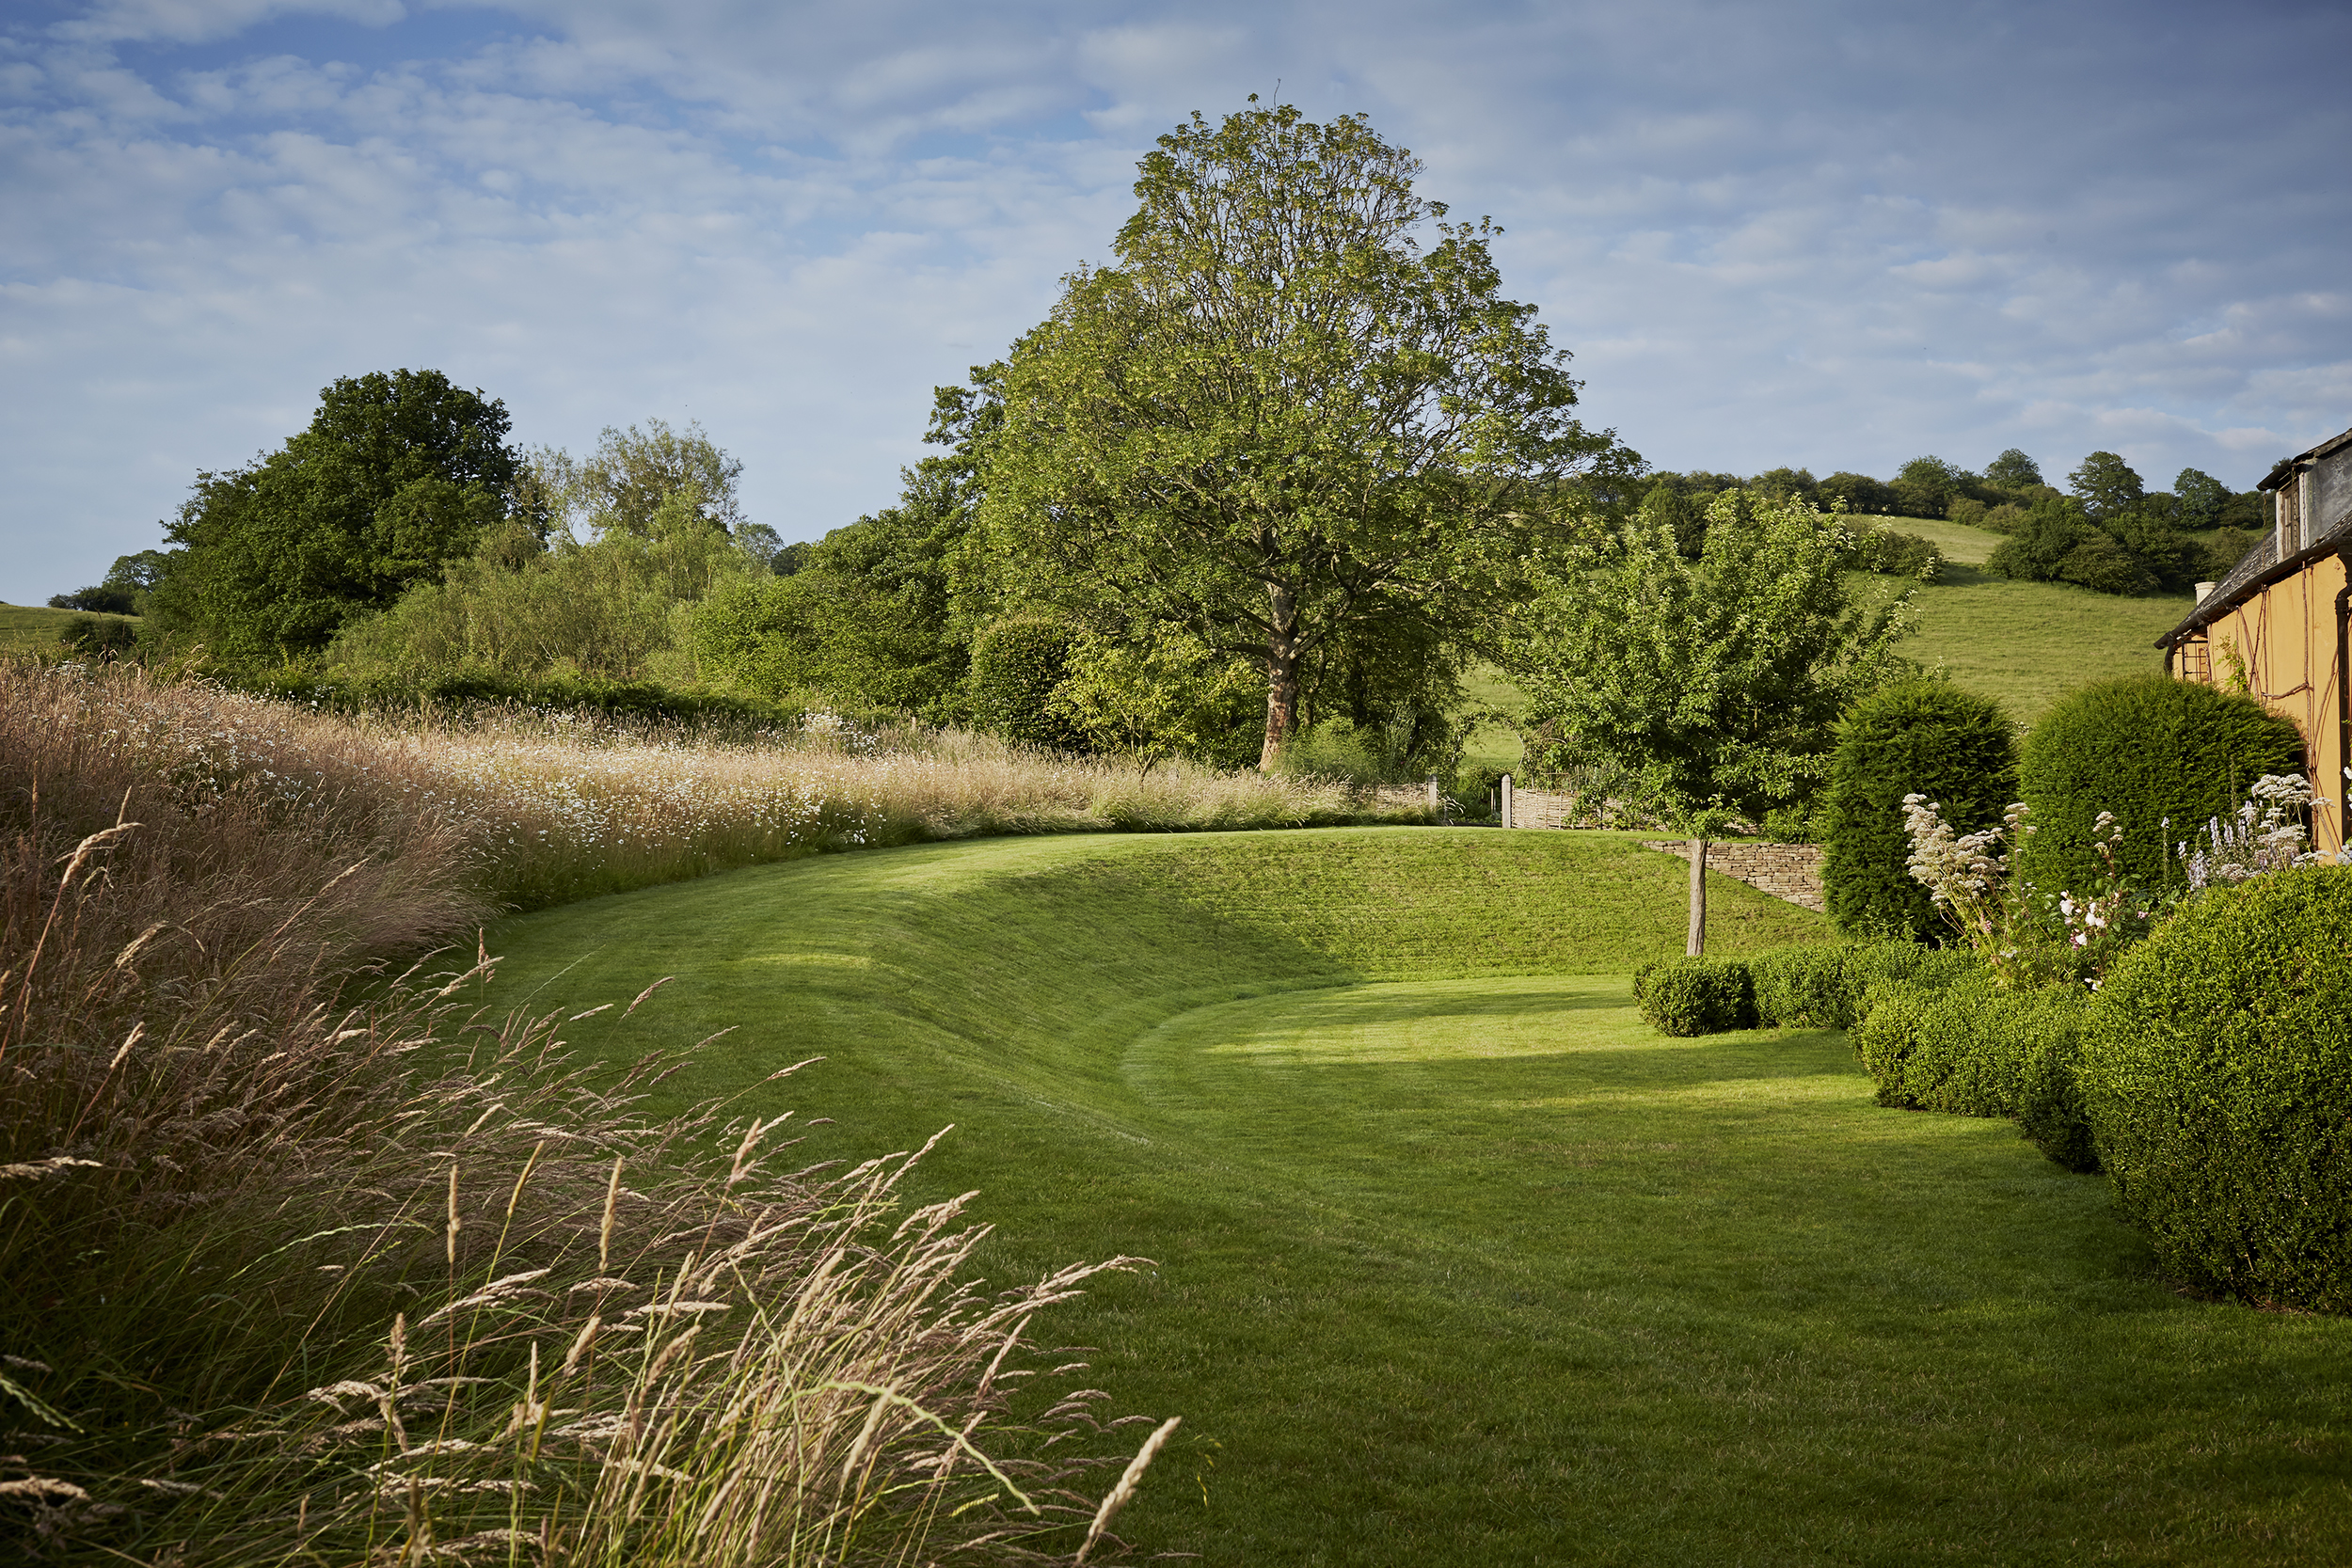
[{"x": 1507, "y": 801}]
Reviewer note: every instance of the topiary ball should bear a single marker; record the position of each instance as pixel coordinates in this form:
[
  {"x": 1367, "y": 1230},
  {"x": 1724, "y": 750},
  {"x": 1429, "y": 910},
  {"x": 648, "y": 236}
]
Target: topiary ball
[
  {"x": 2154, "y": 752},
  {"x": 1956, "y": 748},
  {"x": 2217, "y": 1076}
]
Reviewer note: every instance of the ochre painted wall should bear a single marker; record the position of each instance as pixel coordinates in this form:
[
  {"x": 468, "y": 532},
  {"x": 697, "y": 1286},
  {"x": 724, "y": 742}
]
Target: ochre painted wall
[{"x": 2283, "y": 639}]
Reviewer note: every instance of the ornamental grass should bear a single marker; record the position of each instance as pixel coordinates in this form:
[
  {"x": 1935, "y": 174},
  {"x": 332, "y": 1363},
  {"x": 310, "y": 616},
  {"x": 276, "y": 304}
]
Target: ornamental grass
[{"x": 306, "y": 1257}]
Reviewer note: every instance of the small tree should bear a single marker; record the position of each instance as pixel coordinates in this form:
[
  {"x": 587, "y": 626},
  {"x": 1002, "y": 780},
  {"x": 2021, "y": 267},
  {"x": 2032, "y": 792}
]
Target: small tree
[{"x": 1718, "y": 682}]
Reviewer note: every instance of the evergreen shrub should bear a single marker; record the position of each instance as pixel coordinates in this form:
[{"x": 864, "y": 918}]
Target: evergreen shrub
[
  {"x": 1930, "y": 737},
  {"x": 1695, "y": 997},
  {"x": 1802, "y": 988},
  {"x": 1966, "y": 1048},
  {"x": 2218, "y": 1075},
  {"x": 1016, "y": 666},
  {"x": 1812, "y": 986},
  {"x": 2154, "y": 752}
]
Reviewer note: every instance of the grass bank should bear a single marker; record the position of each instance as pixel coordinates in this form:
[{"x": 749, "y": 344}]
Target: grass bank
[{"x": 1456, "y": 1262}]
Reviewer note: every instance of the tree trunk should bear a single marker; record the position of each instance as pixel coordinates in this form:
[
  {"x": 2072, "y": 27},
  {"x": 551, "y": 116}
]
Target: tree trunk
[
  {"x": 1696, "y": 945},
  {"x": 1281, "y": 672}
]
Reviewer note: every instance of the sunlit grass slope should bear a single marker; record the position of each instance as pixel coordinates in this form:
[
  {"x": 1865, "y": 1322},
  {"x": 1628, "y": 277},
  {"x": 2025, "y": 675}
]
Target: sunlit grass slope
[
  {"x": 34, "y": 628},
  {"x": 1456, "y": 1261}
]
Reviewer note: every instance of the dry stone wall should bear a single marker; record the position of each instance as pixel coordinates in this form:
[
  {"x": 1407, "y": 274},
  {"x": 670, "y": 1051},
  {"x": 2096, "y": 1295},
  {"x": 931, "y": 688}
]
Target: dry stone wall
[{"x": 1790, "y": 871}]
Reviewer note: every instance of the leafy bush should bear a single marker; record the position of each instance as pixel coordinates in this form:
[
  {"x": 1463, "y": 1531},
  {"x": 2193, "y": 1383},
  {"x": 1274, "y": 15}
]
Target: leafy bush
[
  {"x": 1017, "y": 665},
  {"x": 1831, "y": 985},
  {"x": 1925, "y": 737},
  {"x": 2100, "y": 563},
  {"x": 1815, "y": 986},
  {"x": 1897, "y": 555},
  {"x": 90, "y": 637},
  {"x": 2163, "y": 755},
  {"x": 1695, "y": 997},
  {"x": 2224, "y": 548},
  {"x": 1802, "y": 988},
  {"x": 2218, "y": 1073},
  {"x": 824, "y": 632},
  {"x": 1968, "y": 1048},
  {"x": 2055, "y": 540}
]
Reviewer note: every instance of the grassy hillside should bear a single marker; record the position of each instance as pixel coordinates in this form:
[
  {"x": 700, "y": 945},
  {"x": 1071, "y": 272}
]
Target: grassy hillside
[
  {"x": 2027, "y": 644},
  {"x": 1453, "y": 1260},
  {"x": 28, "y": 627}
]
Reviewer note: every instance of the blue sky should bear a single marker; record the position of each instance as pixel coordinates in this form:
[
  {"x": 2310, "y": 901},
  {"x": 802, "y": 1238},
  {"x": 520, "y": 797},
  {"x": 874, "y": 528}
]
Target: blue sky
[{"x": 1835, "y": 234}]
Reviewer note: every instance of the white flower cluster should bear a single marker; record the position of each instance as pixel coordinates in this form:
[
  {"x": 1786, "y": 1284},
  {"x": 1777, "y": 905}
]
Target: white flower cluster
[
  {"x": 1960, "y": 872},
  {"x": 2264, "y": 835}
]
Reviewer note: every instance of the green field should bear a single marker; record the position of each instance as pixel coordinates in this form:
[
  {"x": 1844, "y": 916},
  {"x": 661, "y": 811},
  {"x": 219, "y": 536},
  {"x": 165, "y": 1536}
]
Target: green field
[
  {"x": 1456, "y": 1262},
  {"x": 2027, "y": 644},
  {"x": 25, "y": 628}
]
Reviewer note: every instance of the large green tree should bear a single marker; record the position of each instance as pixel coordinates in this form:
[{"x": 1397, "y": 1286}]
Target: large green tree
[
  {"x": 1278, "y": 416},
  {"x": 2013, "y": 469},
  {"x": 396, "y": 474},
  {"x": 2106, "y": 485}
]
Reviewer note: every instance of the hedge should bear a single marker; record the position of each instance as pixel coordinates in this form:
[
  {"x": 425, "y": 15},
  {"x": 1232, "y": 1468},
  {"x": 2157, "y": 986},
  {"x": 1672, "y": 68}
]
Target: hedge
[
  {"x": 1968, "y": 1049},
  {"x": 2216, "y": 1073},
  {"x": 1819, "y": 986},
  {"x": 1926, "y": 737},
  {"x": 2152, "y": 750},
  {"x": 1695, "y": 997}
]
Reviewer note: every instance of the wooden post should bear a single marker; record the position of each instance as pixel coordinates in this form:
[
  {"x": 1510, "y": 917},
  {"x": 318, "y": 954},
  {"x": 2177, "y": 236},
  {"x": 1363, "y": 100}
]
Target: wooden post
[
  {"x": 1507, "y": 801},
  {"x": 1433, "y": 792},
  {"x": 1696, "y": 945}
]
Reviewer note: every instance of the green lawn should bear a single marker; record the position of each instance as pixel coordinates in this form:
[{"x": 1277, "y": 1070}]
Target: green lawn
[
  {"x": 29, "y": 628},
  {"x": 1456, "y": 1261}
]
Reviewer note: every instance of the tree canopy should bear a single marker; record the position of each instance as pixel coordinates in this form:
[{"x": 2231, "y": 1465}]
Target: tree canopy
[
  {"x": 2106, "y": 485},
  {"x": 2013, "y": 469},
  {"x": 396, "y": 474},
  {"x": 1719, "y": 681},
  {"x": 1277, "y": 420}
]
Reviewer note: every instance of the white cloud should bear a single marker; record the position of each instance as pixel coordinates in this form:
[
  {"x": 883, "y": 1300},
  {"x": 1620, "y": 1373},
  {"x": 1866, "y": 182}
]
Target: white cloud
[{"x": 1822, "y": 234}]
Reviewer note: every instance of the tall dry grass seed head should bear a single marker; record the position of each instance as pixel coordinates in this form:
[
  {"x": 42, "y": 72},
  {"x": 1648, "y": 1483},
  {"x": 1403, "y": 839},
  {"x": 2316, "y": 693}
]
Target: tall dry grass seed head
[{"x": 305, "y": 1259}]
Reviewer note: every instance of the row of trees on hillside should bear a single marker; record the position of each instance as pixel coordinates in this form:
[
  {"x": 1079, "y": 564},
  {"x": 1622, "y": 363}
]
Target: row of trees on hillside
[{"x": 2105, "y": 531}]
